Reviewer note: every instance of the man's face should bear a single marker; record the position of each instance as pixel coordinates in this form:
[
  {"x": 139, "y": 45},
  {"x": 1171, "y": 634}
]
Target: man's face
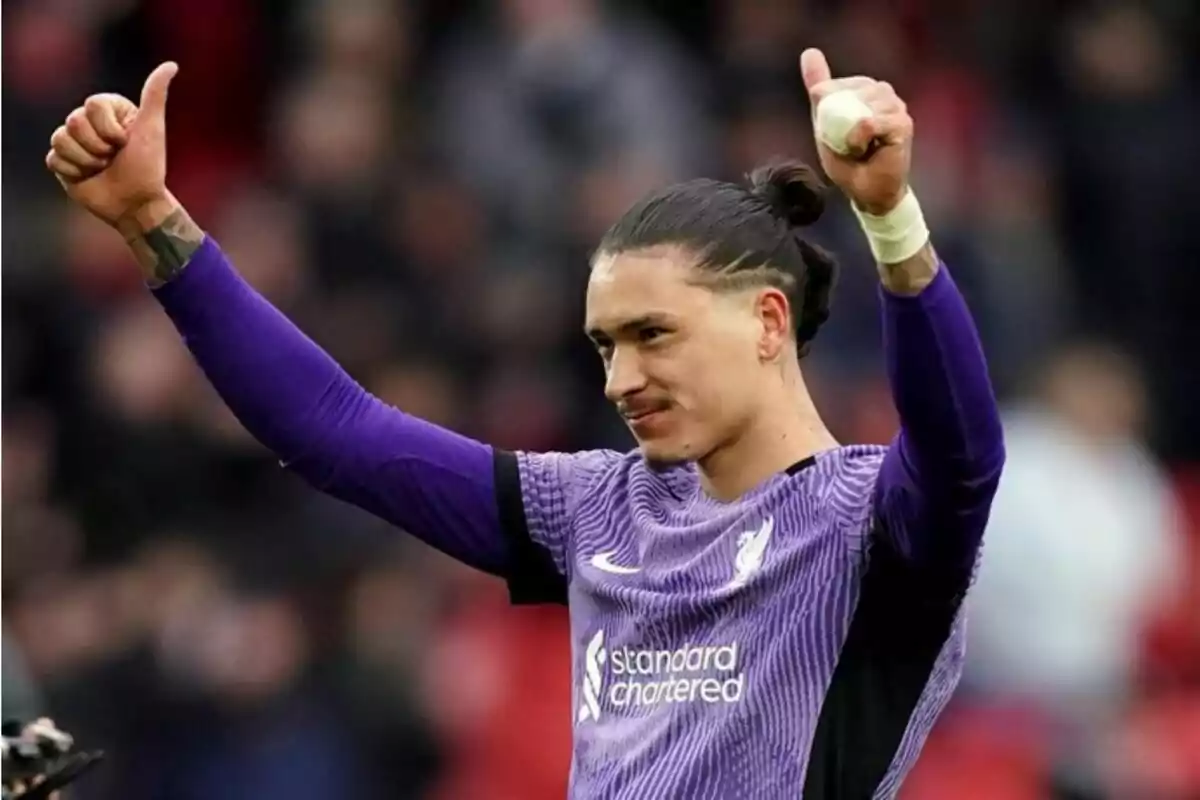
[{"x": 682, "y": 362}]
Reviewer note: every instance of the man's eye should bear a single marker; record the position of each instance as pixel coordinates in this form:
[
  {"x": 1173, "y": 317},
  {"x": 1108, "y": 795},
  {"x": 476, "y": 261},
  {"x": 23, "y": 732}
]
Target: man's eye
[{"x": 650, "y": 334}]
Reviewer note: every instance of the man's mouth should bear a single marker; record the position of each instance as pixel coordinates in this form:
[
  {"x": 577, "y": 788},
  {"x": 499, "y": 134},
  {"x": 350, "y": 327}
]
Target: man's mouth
[
  {"x": 642, "y": 415},
  {"x": 641, "y": 412}
]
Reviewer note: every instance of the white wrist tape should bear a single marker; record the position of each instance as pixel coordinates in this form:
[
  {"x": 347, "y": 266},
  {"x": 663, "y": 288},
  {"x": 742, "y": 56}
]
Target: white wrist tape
[{"x": 897, "y": 235}]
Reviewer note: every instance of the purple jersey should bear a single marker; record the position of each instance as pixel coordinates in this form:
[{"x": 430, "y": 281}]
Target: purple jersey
[
  {"x": 725, "y": 650},
  {"x": 797, "y": 643}
]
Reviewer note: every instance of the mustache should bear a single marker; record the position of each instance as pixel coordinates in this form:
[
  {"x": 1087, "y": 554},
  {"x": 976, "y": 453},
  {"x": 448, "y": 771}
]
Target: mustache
[{"x": 634, "y": 407}]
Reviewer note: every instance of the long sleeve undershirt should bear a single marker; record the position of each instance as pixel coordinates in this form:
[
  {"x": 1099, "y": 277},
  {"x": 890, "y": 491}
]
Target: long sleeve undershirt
[{"x": 933, "y": 494}]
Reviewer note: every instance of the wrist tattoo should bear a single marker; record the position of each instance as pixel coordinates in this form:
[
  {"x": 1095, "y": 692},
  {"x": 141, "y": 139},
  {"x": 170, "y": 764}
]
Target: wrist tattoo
[
  {"x": 911, "y": 276},
  {"x": 164, "y": 251}
]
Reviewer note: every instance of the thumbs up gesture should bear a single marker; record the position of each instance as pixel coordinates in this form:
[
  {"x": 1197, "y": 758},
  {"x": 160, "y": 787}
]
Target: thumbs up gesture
[
  {"x": 111, "y": 155},
  {"x": 874, "y": 171}
]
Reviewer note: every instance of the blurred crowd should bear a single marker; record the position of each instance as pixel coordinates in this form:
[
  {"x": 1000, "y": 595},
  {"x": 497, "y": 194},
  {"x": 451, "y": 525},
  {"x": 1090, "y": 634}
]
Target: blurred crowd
[{"x": 417, "y": 185}]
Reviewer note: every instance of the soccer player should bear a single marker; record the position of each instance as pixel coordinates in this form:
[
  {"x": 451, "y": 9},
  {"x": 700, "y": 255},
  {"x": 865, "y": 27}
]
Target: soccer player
[{"x": 756, "y": 610}]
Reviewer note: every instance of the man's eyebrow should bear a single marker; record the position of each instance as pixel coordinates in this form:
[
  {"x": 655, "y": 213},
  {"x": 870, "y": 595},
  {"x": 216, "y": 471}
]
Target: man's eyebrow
[{"x": 637, "y": 323}]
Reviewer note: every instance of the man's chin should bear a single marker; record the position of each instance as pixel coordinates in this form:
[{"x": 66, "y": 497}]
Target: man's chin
[{"x": 664, "y": 453}]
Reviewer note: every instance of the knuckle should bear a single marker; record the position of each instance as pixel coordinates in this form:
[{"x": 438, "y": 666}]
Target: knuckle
[
  {"x": 77, "y": 121},
  {"x": 59, "y": 137},
  {"x": 100, "y": 104}
]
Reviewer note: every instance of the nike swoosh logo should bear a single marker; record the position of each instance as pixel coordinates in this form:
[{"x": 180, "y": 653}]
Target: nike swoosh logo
[{"x": 603, "y": 561}]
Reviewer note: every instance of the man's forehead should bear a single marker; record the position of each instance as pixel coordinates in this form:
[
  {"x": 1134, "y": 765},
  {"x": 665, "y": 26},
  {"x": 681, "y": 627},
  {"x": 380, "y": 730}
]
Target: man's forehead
[
  {"x": 639, "y": 285},
  {"x": 649, "y": 264}
]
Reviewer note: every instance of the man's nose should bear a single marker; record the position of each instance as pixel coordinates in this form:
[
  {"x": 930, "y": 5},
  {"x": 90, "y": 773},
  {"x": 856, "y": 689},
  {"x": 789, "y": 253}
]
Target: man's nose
[{"x": 624, "y": 375}]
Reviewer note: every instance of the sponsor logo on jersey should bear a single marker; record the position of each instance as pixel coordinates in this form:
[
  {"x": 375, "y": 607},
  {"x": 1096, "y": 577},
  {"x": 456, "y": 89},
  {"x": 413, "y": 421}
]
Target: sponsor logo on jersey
[{"x": 617, "y": 678}]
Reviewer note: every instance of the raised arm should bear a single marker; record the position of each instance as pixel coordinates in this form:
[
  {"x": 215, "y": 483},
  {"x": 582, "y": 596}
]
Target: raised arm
[
  {"x": 938, "y": 479},
  {"x": 300, "y": 404},
  {"x": 110, "y": 157},
  {"x": 941, "y": 472}
]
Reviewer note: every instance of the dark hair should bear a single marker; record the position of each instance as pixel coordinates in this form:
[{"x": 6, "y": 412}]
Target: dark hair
[{"x": 743, "y": 236}]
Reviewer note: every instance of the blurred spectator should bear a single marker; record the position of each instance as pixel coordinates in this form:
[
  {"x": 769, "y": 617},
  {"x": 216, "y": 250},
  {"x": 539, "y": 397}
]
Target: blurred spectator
[
  {"x": 554, "y": 91},
  {"x": 1125, "y": 99},
  {"x": 1084, "y": 543}
]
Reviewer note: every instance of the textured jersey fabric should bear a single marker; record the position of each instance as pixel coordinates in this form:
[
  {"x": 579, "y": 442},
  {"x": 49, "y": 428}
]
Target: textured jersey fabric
[
  {"x": 799, "y": 642},
  {"x": 707, "y": 636}
]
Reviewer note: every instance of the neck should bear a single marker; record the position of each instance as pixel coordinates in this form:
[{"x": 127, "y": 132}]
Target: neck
[{"x": 785, "y": 431}]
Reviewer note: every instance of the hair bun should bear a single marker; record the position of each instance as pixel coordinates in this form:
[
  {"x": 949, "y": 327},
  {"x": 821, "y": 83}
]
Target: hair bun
[{"x": 793, "y": 190}]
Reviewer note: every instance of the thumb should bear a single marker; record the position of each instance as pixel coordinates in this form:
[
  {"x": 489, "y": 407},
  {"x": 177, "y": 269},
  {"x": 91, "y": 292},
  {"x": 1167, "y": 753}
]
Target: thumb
[
  {"x": 814, "y": 67},
  {"x": 154, "y": 91}
]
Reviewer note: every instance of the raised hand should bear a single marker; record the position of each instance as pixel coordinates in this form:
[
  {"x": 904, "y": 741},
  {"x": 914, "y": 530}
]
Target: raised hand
[
  {"x": 874, "y": 173},
  {"x": 111, "y": 155}
]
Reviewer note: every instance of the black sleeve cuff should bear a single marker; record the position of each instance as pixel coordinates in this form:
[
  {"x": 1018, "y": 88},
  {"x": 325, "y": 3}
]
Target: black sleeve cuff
[{"x": 533, "y": 579}]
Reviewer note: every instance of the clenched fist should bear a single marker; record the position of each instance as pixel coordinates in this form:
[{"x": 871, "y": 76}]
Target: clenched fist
[
  {"x": 875, "y": 174},
  {"x": 111, "y": 155}
]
